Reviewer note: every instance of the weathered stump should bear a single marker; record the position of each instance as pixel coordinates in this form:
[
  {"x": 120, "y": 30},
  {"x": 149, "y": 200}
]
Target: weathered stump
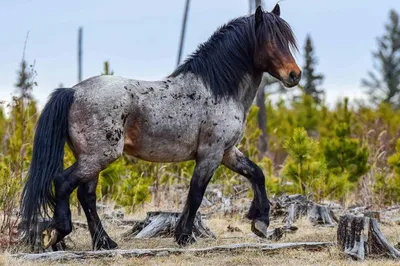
[
  {"x": 360, "y": 237},
  {"x": 322, "y": 215},
  {"x": 294, "y": 211},
  {"x": 281, "y": 205},
  {"x": 373, "y": 214},
  {"x": 293, "y": 207},
  {"x": 162, "y": 224}
]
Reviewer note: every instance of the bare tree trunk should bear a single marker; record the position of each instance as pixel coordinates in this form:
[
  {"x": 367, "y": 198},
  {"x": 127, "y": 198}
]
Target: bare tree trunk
[
  {"x": 262, "y": 122},
  {"x": 183, "y": 31},
  {"x": 80, "y": 35},
  {"x": 260, "y": 101}
]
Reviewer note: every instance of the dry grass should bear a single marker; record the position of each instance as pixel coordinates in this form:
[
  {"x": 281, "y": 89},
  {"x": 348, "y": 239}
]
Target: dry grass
[{"x": 80, "y": 240}]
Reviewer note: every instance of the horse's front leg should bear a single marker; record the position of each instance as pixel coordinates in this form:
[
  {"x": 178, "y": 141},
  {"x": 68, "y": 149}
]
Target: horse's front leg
[
  {"x": 259, "y": 210},
  {"x": 204, "y": 170}
]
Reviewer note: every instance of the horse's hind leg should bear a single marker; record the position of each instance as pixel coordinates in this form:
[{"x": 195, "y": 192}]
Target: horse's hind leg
[
  {"x": 259, "y": 210},
  {"x": 84, "y": 170},
  {"x": 64, "y": 184},
  {"x": 87, "y": 198}
]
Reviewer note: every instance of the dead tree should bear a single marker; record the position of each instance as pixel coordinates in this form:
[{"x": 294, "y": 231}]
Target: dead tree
[
  {"x": 162, "y": 224},
  {"x": 360, "y": 237}
]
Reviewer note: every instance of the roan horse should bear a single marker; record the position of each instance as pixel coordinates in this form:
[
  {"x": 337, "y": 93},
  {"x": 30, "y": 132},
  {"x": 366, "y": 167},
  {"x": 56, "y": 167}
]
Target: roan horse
[{"x": 197, "y": 113}]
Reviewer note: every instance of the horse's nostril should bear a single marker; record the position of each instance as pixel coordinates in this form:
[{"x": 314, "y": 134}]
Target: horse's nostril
[{"x": 292, "y": 76}]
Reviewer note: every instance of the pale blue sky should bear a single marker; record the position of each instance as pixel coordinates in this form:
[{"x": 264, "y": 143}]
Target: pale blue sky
[{"x": 140, "y": 38}]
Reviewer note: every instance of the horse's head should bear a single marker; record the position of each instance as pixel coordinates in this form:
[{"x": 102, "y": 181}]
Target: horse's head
[{"x": 275, "y": 40}]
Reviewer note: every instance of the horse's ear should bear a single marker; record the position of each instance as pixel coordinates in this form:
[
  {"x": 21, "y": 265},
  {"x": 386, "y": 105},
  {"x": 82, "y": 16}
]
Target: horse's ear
[
  {"x": 259, "y": 15},
  {"x": 276, "y": 10}
]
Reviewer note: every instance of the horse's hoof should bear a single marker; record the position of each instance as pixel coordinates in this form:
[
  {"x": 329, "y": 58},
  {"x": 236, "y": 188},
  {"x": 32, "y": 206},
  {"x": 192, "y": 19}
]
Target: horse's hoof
[
  {"x": 49, "y": 238},
  {"x": 106, "y": 243},
  {"x": 59, "y": 246},
  {"x": 259, "y": 228},
  {"x": 184, "y": 240}
]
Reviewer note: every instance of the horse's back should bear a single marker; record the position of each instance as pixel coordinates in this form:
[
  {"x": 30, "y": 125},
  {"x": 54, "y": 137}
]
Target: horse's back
[{"x": 155, "y": 121}]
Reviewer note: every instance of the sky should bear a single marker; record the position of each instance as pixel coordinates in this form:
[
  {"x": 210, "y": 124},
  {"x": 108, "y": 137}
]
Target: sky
[{"x": 140, "y": 38}]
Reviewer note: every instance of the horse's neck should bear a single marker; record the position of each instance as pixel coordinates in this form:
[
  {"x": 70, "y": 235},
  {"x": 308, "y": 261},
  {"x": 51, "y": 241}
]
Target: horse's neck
[{"x": 248, "y": 90}]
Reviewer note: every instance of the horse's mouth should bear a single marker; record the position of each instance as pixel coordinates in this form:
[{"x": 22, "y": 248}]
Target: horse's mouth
[
  {"x": 285, "y": 82},
  {"x": 289, "y": 84}
]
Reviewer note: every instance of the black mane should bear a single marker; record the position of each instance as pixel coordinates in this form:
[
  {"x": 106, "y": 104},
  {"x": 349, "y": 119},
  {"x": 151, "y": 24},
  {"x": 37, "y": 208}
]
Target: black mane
[{"x": 223, "y": 60}]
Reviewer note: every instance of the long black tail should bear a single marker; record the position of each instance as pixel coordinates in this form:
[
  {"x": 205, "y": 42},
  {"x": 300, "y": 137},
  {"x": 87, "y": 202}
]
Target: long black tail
[{"x": 37, "y": 198}]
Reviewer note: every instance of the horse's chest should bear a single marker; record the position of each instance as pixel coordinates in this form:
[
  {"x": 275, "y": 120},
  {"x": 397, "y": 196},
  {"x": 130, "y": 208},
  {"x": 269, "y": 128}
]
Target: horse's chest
[
  {"x": 233, "y": 136},
  {"x": 229, "y": 129}
]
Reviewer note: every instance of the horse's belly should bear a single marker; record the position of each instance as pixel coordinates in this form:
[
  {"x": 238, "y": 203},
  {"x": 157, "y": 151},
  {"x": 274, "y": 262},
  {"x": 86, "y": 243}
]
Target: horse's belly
[{"x": 158, "y": 145}]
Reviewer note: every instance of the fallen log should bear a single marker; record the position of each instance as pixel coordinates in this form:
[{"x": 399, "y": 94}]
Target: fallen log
[
  {"x": 70, "y": 255},
  {"x": 162, "y": 224},
  {"x": 360, "y": 237}
]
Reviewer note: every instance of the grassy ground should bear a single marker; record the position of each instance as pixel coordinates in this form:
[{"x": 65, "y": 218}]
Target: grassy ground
[{"x": 80, "y": 240}]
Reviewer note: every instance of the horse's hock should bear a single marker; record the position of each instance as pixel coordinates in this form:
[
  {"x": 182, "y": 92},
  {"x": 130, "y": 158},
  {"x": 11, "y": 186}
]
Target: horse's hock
[
  {"x": 360, "y": 237},
  {"x": 162, "y": 224}
]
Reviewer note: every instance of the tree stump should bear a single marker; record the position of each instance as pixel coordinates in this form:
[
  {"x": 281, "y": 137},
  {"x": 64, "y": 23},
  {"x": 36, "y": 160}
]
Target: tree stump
[
  {"x": 294, "y": 211},
  {"x": 373, "y": 214},
  {"x": 322, "y": 215},
  {"x": 162, "y": 224},
  {"x": 360, "y": 237},
  {"x": 295, "y": 206},
  {"x": 291, "y": 207}
]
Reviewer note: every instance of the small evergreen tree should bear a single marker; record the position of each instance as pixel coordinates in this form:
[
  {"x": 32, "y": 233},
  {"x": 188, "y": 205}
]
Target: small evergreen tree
[
  {"x": 24, "y": 82},
  {"x": 307, "y": 114},
  {"x": 345, "y": 155},
  {"x": 307, "y": 167},
  {"x": 392, "y": 183},
  {"x": 311, "y": 80},
  {"x": 384, "y": 83},
  {"x": 301, "y": 151},
  {"x": 106, "y": 69}
]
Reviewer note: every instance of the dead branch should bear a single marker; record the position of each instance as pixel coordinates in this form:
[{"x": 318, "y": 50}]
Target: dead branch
[{"x": 70, "y": 255}]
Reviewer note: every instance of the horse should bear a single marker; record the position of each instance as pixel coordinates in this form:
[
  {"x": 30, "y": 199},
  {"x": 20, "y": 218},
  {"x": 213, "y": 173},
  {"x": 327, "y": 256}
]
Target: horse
[{"x": 196, "y": 113}]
